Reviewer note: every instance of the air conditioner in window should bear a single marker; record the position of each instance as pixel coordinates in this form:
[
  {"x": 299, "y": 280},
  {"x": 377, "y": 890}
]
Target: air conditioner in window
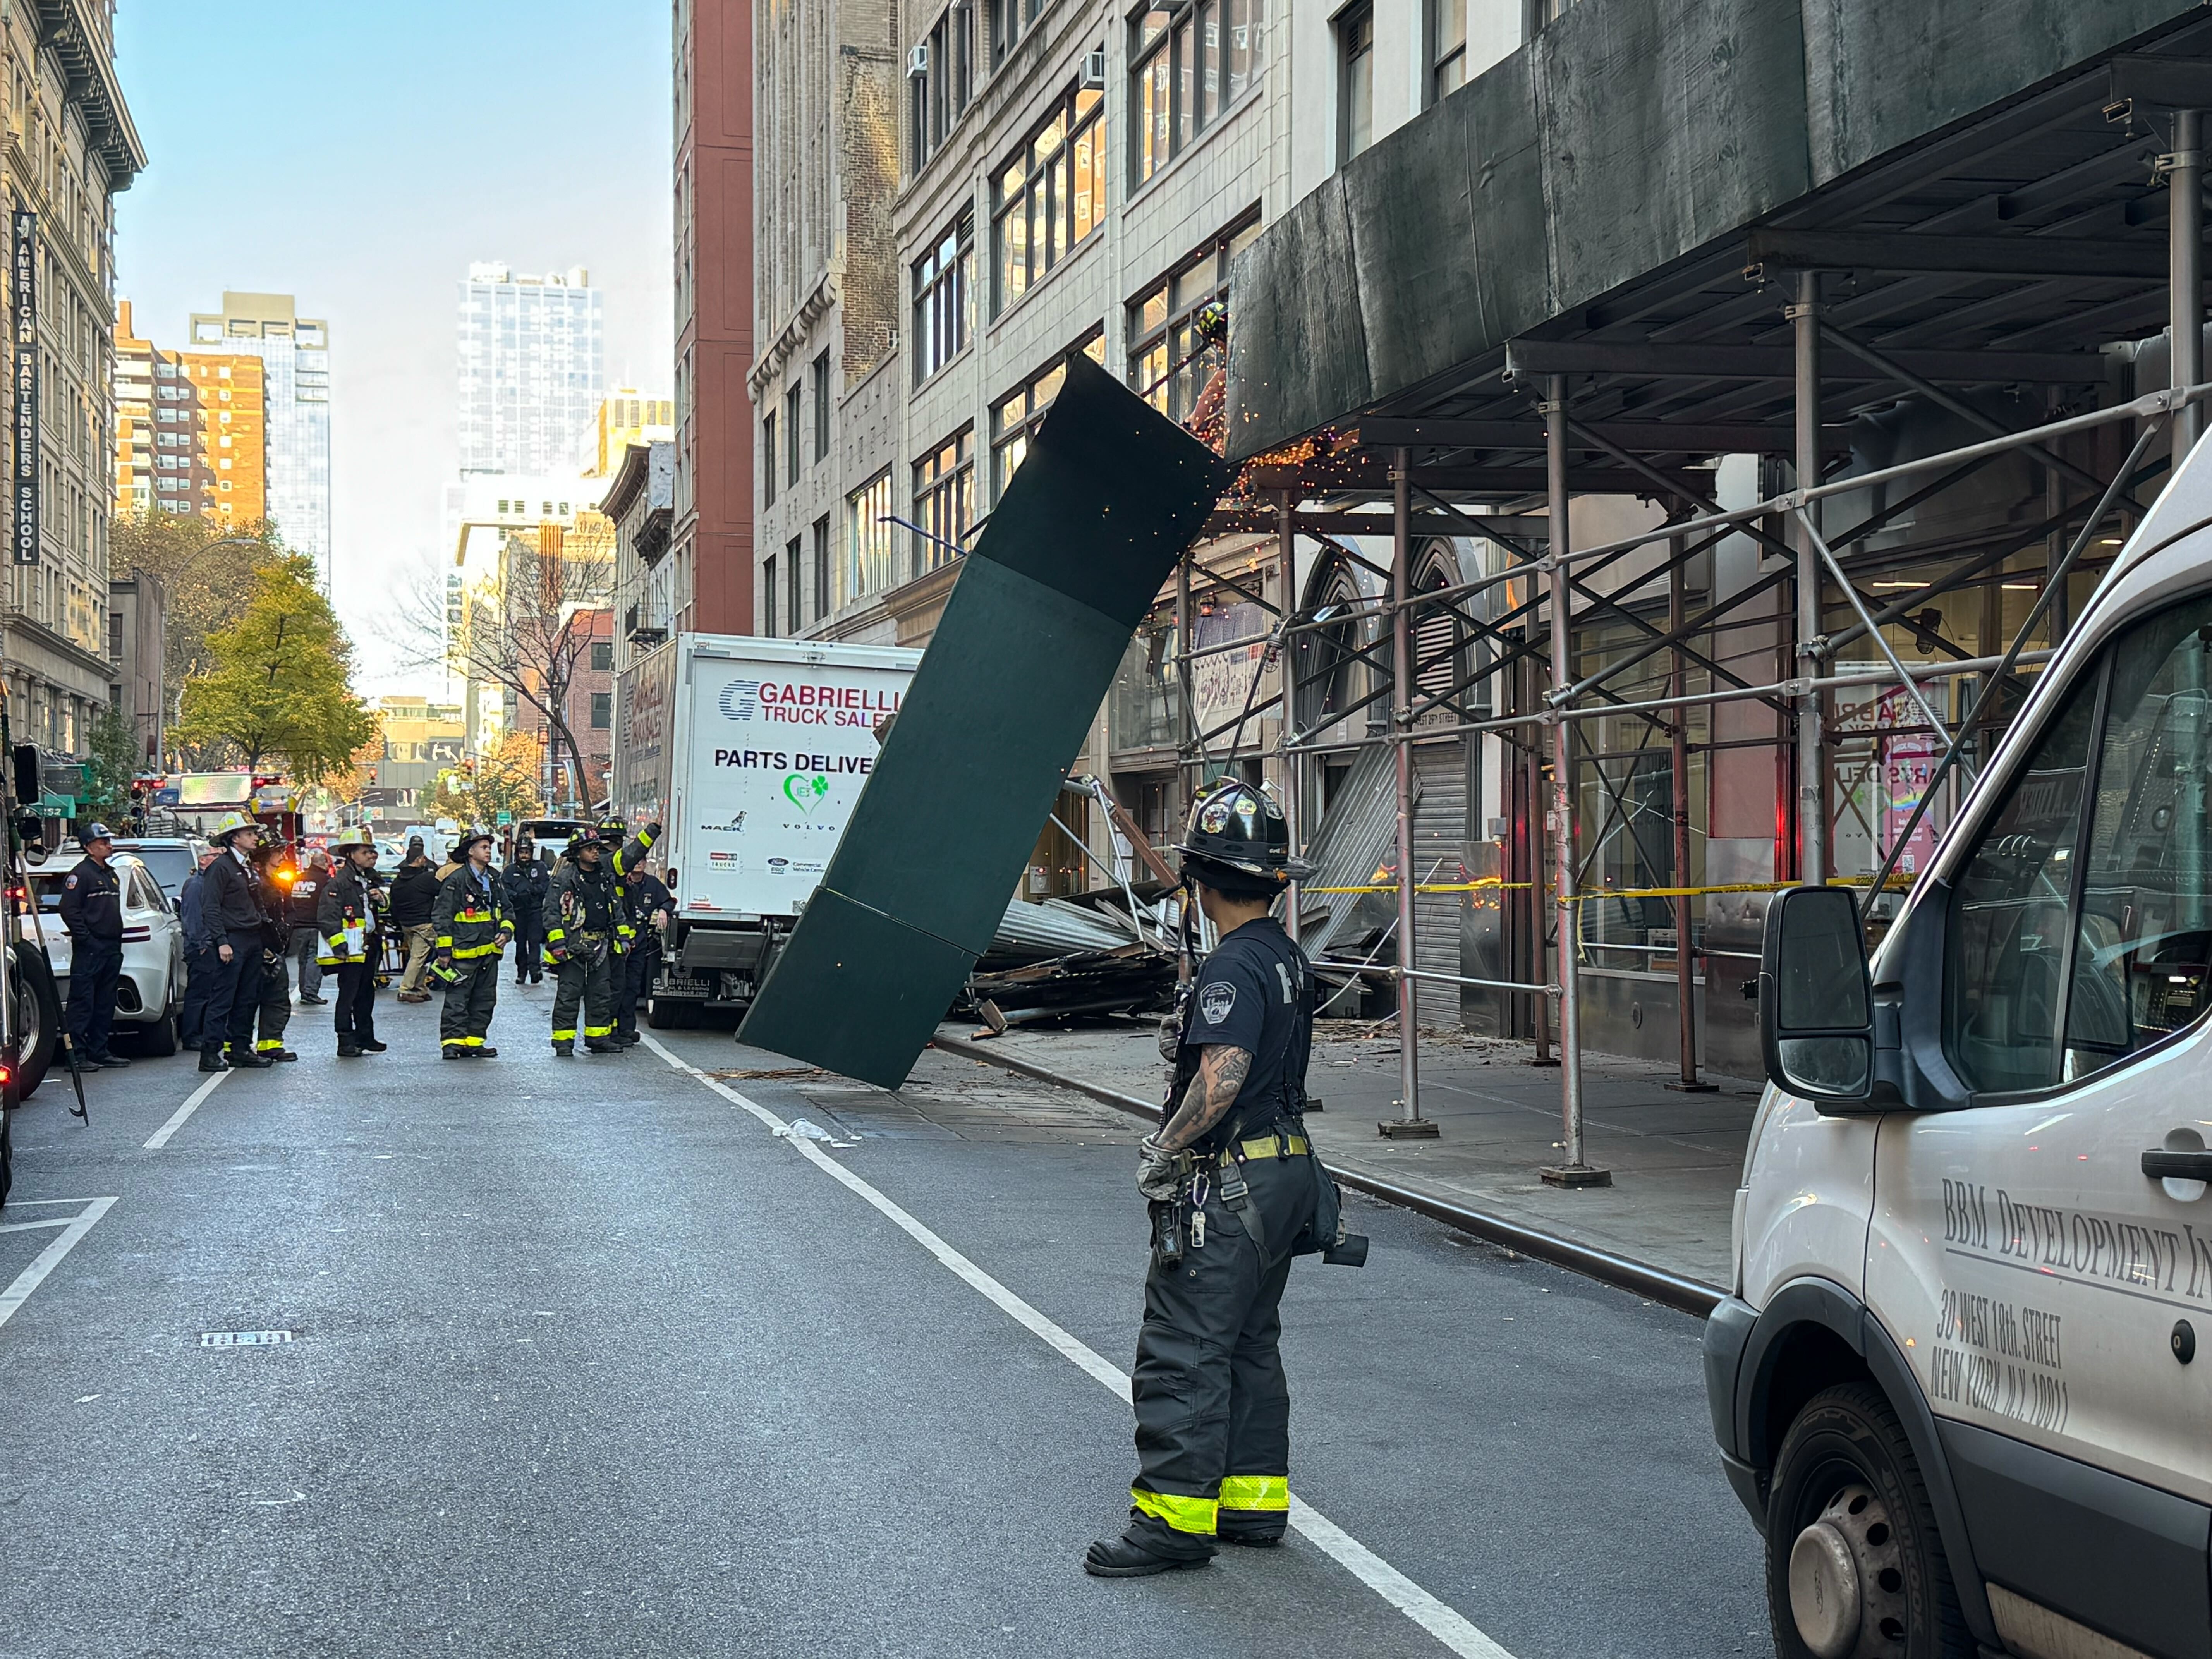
[
  {"x": 917, "y": 60},
  {"x": 1094, "y": 70}
]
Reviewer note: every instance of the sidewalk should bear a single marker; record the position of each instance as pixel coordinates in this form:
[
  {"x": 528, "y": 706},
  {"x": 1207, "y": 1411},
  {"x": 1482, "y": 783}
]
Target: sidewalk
[{"x": 1675, "y": 1158}]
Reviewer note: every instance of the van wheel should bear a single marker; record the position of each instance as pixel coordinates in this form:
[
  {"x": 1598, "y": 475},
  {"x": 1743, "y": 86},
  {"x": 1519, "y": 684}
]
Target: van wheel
[
  {"x": 1853, "y": 1567},
  {"x": 38, "y": 1017}
]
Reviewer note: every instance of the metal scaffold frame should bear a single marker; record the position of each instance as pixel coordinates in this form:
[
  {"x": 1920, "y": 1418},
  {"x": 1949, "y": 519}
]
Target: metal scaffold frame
[{"x": 1318, "y": 495}]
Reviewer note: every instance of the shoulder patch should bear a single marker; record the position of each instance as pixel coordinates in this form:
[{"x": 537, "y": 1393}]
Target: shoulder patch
[
  {"x": 1216, "y": 1000},
  {"x": 71, "y": 881}
]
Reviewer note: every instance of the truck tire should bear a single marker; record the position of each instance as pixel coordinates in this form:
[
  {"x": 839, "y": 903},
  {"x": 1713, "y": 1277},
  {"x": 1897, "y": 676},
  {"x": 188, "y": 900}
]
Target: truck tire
[
  {"x": 664, "y": 1013},
  {"x": 1855, "y": 1567},
  {"x": 37, "y": 1014}
]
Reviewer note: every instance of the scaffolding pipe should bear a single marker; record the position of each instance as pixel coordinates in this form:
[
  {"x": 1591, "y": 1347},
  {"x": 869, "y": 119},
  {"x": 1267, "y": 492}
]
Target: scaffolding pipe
[
  {"x": 1812, "y": 786},
  {"x": 1686, "y": 989},
  {"x": 2184, "y": 255},
  {"x": 1532, "y": 761},
  {"x": 1286, "y": 758},
  {"x": 1409, "y": 1121},
  {"x": 1575, "y": 1171}
]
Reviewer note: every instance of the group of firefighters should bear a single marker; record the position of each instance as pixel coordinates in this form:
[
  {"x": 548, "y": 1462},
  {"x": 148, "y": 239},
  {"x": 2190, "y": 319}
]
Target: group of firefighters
[{"x": 594, "y": 922}]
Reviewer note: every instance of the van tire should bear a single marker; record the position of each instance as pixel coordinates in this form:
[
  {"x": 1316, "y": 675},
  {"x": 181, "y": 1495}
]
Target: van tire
[
  {"x": 1846, "y": 1436},
  {"x": 40, "y": 1006}
]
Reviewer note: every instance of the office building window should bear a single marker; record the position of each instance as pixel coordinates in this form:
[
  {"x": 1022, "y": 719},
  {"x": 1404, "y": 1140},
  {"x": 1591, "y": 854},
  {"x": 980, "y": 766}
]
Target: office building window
[
  {"x": 871, "y": 543},
  {"x": 791, "y": 434},
  {"x": 941, "y": 79},
  {"x": 1189, "y": 62},
  {"x": 794, "y": 588},
  {"x": 1446, "y": 47},
  {"x": 944, "y": 307},
  {"x": 1049, "y": 196},
  {"x": 822, "y": 566},
  {"x": 1168, "y": 364},
  {"x": 603, "y": 710},
  {"x": 1355, "y": 81},
  {"x": 822, "y": 408},
  {"x": 1009, "y": 21},
  {"x": 768, "y": 458},
  {"x": 768, "y": 596},
  {"x": 1021, "y": 411},
  {"x": 603, "y": 656},
  {"x": 943, "y": 501}
]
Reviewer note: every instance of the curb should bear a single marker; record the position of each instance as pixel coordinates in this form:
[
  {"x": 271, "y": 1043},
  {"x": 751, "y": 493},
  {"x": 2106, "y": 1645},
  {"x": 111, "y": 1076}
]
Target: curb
[{"x": 1689, "y": 1296}]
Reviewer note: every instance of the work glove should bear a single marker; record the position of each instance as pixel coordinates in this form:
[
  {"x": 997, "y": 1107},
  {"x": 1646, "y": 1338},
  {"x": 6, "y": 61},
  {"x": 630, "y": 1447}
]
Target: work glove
[
  {"x": 1159, "y": 1172},
  {"x": 652, "y": 832},
  {"x": 1170, "y": 1039}
]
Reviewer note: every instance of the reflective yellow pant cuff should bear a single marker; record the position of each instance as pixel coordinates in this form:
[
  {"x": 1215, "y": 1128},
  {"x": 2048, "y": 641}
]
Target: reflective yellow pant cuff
[
  {"x": 1196, "y": 1516},
  {"x": 1253, "y": 1494}
]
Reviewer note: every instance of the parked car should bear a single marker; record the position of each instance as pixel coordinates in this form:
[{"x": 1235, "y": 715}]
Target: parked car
[
  {"x": 150, "y": 992},
  {"x": 1955, "y": 1382},
  {"x": 171, "y": 858}
]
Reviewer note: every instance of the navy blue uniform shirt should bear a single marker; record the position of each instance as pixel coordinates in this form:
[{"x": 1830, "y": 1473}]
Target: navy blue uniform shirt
[{"x": 1252, "y": 993}]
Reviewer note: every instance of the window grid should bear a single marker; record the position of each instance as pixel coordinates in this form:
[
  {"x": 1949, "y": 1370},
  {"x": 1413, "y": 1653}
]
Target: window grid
[
  {"x": 1446, "y": 47},
  {"x": 768, "y": 458},
  {"x": 822, "y": 566},
  {"x": 944, "y": 300},
  {"x": 1050, "y": 197},
  {"x": 794, "y": 589},
  {"x": 944, "y": 500},
  {"x": 1167, "y": 366},
  {"x": 1189, "y": 62},
  {"x": 822, "y": 408},
  {"x": 1355, "y": 45},
  {"x": 791, "y": 434},
  {"x": 871, "y": 543}
]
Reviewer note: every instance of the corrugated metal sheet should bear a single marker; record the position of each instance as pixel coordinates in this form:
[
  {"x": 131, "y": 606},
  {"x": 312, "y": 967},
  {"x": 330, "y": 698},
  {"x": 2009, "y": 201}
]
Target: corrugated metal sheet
[
  {"x": 1440, "y": 836},
  {"x": 1032, "y": 932},
  {"x": 1356, "y": 837}
]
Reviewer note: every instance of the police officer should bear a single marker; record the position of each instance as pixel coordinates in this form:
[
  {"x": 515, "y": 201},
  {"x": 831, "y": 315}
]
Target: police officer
[
  {"x": 347, "y": 927},
  {"x": 1235, "y": 1193},
  {"x": 524, "y": 886},
  {"x": 584, "y": 924},
  {"x": 92, "y": 911},
  {"x": 472, "y": 930},
  {"x": 650, "y": 905},
  {"x": 236, "y": 923}
]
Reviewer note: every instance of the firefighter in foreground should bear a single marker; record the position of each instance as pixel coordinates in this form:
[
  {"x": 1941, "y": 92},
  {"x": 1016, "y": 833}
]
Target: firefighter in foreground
[
  {"x": 587, "y": 929},
  {"x": 1235, "y": 1193},
  {"x": 473, "y": 928}
]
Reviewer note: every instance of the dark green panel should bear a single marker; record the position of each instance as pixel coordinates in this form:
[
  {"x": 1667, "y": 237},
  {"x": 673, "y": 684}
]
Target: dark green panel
[
  {"x": 1966, "y": 55},
  {"x": 1066, "y": 567},
  {"x": 1300, "y": 354},
  {"x": 852, "y": 987}
]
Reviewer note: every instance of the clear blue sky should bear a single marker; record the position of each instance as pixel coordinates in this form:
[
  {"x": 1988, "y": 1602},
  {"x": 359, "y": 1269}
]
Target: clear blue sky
[{"x": 359, "y": 157}]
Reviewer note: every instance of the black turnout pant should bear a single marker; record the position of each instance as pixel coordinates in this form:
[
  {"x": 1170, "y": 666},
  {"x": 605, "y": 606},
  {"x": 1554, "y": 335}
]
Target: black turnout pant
[
  {"x": 529, "y": 945},
  {"x": 354, "y": 1017},
  {"x": 465, "y": 1020},
  {"x": 1213, "y": 1410}
]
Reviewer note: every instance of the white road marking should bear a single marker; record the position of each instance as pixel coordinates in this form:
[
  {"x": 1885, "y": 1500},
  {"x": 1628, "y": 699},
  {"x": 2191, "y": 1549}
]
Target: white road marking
[
  {"x": 49, "y": 1258},
  {"x": 35, "y": 1226},
  {"x": 1441, "y": 1621},
  {"x": 161, "y": 1136}
]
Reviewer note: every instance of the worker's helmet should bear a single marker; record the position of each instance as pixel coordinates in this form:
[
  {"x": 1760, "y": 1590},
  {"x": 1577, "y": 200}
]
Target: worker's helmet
[
  {"x": 613, "y": 831},
  {"x": 93, "y": 832},
  {"x": 469, "y": 838},
  {"x": 1238, "y": 842},
  {"x": 346, "y": 840},
  {"x": 229, "y": 825}
]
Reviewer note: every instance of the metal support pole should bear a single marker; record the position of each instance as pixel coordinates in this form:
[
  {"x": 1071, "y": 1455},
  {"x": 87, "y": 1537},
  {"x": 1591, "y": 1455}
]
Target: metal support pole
[
  {"x": 1186, "y": 721},
  {"x": 2184, "y": 184},
  {"x": 1532, "y": 763},
  {"x": 1409, "y": 1122},
  {"x": 1286, "y": 758},
  {"x": 1575, "y": 1171},
  {"x": 1812, "y": 788},
  {"x": 1686, "y": 986}
]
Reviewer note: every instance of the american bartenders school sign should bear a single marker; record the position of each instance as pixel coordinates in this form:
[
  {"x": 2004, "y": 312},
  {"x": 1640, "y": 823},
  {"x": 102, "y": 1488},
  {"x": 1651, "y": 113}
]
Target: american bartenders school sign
[{"x": 23, "y": 315}]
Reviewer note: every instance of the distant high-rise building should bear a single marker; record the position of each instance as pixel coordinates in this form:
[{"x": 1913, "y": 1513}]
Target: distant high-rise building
[
  {"x": 159, "y": 466},
  {"x": 232, "y": 433},
  {"x": 295, "y": 358},
  {"x": 625, "y": 416},
  {"x": 531, "y": 368}
]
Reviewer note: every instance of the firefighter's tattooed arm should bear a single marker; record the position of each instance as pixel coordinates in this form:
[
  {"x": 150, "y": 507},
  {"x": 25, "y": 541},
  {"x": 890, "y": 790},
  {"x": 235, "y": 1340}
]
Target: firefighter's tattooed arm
[{"x": 1221, "y": 1073}]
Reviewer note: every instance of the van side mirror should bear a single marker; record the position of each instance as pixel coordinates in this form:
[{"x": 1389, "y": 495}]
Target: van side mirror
[
  {"x": 30, "y": 785},
  {"x": 1815, "y": 1002}
]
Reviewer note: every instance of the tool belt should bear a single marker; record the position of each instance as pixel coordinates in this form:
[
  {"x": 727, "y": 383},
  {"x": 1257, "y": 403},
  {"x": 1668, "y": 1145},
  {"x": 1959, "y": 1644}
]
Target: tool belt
[{"x": 1268, "y": 1146}]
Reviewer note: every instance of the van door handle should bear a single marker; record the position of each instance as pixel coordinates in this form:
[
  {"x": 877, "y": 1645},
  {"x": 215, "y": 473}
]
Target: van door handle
[{"x": 2162, "y": 1165}]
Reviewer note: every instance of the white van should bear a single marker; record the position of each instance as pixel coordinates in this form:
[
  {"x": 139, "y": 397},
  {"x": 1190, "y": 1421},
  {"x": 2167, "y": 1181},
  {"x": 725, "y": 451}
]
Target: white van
[{"x": 1956, "y": 1382}]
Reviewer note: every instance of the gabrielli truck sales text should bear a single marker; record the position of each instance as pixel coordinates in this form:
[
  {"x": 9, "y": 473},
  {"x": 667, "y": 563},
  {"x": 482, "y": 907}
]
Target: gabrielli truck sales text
[{"x": 825, "y": 705}]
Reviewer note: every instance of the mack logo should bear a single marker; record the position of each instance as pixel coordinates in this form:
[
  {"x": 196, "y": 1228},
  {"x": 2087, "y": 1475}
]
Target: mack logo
[{"x": 740, "y": 700}]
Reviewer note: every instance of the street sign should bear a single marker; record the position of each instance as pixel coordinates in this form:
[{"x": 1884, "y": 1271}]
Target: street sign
[{"x": 502, "y": 819}]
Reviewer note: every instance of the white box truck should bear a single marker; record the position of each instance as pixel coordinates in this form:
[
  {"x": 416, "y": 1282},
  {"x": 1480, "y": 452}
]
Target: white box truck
[{"x": 750, "y": 753}]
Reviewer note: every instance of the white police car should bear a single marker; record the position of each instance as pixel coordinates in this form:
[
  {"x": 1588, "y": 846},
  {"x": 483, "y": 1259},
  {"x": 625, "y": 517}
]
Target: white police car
[{"x": 1958, "y": 1384}]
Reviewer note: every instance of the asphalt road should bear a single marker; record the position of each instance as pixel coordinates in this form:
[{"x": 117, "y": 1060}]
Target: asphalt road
[{"x": 585, "y": 1360}]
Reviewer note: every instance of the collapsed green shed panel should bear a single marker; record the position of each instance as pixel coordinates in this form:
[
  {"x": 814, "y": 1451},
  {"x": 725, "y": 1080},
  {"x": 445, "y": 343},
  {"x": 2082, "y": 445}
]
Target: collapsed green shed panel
[{"x": 1068, "y": 565}]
